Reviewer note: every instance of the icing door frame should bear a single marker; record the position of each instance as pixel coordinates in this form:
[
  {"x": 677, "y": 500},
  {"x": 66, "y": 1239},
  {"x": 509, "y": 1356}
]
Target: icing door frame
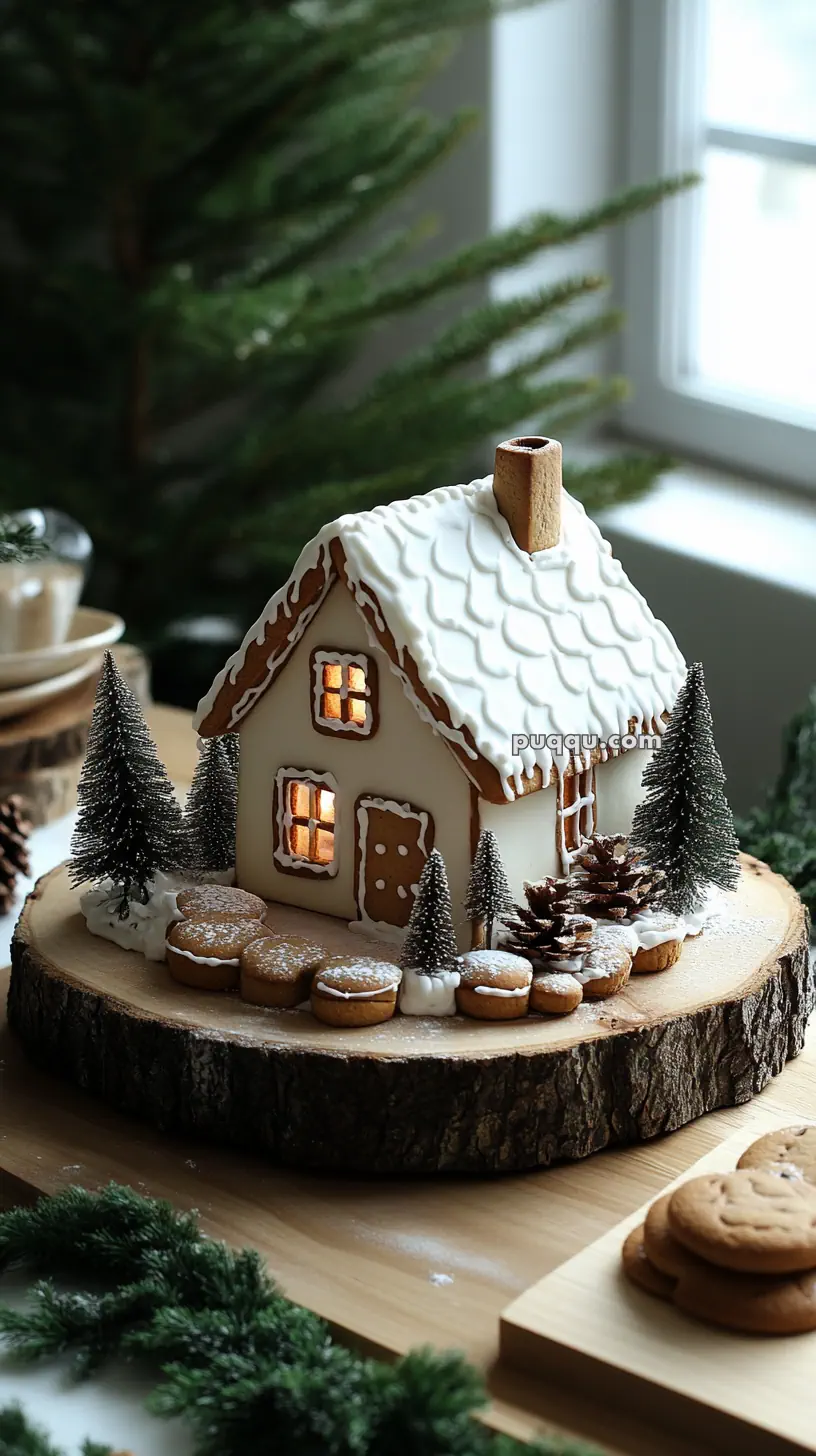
[{"x": 425, "y": 843}]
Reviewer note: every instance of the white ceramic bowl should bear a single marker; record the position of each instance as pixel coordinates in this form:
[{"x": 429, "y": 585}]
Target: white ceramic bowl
[{"x": 90, "y": 632}]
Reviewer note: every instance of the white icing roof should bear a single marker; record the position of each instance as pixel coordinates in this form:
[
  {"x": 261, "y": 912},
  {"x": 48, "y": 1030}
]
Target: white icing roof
[{"x": 559, "y": 642}]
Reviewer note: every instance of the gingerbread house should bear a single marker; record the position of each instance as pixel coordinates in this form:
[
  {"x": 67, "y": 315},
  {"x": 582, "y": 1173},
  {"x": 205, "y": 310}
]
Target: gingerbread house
[{"x": 469, "y": 658}]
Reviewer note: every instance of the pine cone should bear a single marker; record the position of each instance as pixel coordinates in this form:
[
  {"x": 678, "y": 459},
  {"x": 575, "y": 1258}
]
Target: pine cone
[
  {"x": 14, "y": 831},
  {"x": 613, "y": 882},
  {"x": 550, "y": 927}
]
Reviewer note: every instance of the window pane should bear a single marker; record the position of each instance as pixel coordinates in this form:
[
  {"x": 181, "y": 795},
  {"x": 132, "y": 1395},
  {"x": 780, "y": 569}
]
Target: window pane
[
  {"x": 332, "y": 675},
  {"x": 356, "y": 680},
  {"x": 762, "y": 66},
  {"x": 755, "y": 321},
  {"x": 357, "y": 711},
  {"x": 332, "y": 705},
  {"x": 300, "y": 800},
  {"x": 324, "y": 846},
  {"x": 325, "y": 806},
  {"x": 300, "y": 840}
]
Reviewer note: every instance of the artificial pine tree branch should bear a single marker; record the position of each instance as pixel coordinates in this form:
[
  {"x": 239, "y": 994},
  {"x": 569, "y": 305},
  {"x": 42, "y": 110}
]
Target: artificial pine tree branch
[{"x": 247, "y": 1370}]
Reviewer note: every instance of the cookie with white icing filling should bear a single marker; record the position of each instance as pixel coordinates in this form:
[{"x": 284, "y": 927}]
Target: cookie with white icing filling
[
  {"x": 606, "y": 969},
  {"x": 278, "y": 970},
  {"x": 355, "y": 991},
  {"x": 207, "y": 953},
  {"x": 494, "y": 985},
  {"x": 556, "y": 993},
  {"x": 219, "y": 902}
]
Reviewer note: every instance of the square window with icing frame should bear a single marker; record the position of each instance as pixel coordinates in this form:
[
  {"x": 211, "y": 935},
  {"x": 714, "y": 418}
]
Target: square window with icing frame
[
  {"x": 343, "y": 693},
  {"x": 305, "y": 822}
]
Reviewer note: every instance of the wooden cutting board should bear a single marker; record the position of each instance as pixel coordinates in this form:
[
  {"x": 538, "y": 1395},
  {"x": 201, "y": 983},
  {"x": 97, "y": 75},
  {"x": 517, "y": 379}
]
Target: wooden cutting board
[{"x": 587, "y": 1329}]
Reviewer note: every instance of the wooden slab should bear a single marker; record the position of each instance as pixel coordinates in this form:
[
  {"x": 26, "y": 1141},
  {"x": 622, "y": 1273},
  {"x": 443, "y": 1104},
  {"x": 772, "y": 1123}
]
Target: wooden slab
[
  {"x": 416, "y": 1095},
  {"x": 588, "y": 1327}
]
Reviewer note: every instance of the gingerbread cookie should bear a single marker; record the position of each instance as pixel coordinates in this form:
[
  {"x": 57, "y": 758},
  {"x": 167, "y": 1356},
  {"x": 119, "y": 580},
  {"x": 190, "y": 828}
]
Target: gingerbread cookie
[
  {"x": 355, "y": 992},
  {"x": 278, "y": 970},
  {"x": 665, "y": 953},
  {"x": 556, "y": 993},
  {"x": 752, "y": 1220},
  {"x": 638, "y": 1267},
  {"x": 662, "y": 1248},
  {"x": 206, "y": 953},
  {"x": 605, "y": 971},
  {"x": 791, "y": 1150},
  {"x": 494, "y": 985},
  {"x": 219, "y": 902},
  {"x": 756, "y": 1304}
]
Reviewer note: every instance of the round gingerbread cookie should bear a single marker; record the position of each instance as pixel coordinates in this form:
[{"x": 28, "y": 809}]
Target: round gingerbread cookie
[
  {"x": 756, "y": 1304},
  {"x": 638, "y": 1267},
  {"x": 349, "y": 991},
  {"x": 662, "y": 1248},
  {"x": 605, "y": 971},
  {"x": 206, "y": 953},
  {"x": 663, "y": 954},
  {"x": 792, "y": 1149},
  {"x": 494, "y": 985},
  {"x": 277, "y": 970},
  {"x": 219, "y": 902},
  {"x": 752, "y": 1220},
  {"x": 555, "y": 993}
]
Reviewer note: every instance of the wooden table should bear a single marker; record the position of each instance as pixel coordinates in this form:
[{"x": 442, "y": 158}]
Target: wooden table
[{"x": 391, "y": 1264}]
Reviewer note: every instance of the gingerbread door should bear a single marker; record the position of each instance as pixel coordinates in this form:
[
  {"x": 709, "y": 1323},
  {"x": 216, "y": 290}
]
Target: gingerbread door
[{"x": 393, "y": 843}]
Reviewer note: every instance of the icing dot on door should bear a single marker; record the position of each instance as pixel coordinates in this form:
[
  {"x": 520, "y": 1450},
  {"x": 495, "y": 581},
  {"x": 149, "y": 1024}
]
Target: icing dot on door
[
  {"x": 379, "y": 884},
  {"x": 379, "y": 849},
  {"x": 402, "y": 849},
  {"x": 402, "y": 892}
]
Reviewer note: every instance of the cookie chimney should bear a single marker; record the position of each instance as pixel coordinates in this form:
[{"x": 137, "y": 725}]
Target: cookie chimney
[{"x": 527, "y": 487}]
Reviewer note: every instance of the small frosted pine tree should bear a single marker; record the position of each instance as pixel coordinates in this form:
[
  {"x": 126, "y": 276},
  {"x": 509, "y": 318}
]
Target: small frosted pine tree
[
  {"x": 684, "y": 826},
  {"x": 430, "y": 942},
  {"x": 212, "y": 804},
  {"x": 488, "y": 896},
  {"x": 231, "y": 744},
  {"x": 129, "y": 823}
]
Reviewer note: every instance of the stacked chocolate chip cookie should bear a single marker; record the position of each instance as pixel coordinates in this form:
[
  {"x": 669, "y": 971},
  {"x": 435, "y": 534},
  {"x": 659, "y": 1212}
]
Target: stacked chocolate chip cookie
[{"x": 738, "y": 1249}]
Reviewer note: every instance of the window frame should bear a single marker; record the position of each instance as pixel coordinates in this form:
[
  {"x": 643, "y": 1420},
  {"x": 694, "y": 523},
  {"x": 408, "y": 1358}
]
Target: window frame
[
  {"x": 322, "y": 657},
  {"x": 576, "y": 811},
  {"x": 285, "y": 857},
  {"x": 666, "y": 133}
]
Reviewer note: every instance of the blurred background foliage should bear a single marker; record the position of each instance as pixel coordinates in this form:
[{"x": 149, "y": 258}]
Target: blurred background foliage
[{"x": 198, "y": 245}]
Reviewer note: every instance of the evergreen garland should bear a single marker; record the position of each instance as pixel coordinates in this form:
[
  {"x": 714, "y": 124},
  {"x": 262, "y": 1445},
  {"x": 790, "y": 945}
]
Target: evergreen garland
[
  {"x": 194, "y": 200},
  {"x": 782, "y": 830},
  {"x": 430, "y": 940},
  {"x": 488, "y": 893},
  {"x": 211, "y": 810},
  {"x": 20, "y": 1437},
  {"x": 684, "y": 826},
  {"x": 129, "y": 823},
  {"x": 251, "y": 1372}
]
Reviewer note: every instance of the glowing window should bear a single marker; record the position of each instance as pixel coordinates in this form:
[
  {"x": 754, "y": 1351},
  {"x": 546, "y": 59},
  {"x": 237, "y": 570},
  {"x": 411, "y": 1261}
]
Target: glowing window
[
  {"x": 343, "y": 693},
  {"x": 306, "y": 819}
]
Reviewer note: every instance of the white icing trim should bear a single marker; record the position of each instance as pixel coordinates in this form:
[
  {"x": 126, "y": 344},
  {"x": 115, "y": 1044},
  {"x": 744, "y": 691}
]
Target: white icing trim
[
  {"x": 550, "y": 643},
  {"x": 327, "y": 658},
  {"x": 283, "y": 819},
  {"x": 201, "y": 960},
  {"x": 500, "y": 990},
  {"x": 355, "y": 995},
  {"x": 582, "y": 801},
  {"x": 368, "y": 926},
  {"x": 571, "y": 965}
]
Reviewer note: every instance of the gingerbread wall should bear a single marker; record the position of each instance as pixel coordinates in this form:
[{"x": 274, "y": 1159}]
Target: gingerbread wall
[
  {"x": 526, "y": 829},
  {"x": 404, "y": 760}
]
